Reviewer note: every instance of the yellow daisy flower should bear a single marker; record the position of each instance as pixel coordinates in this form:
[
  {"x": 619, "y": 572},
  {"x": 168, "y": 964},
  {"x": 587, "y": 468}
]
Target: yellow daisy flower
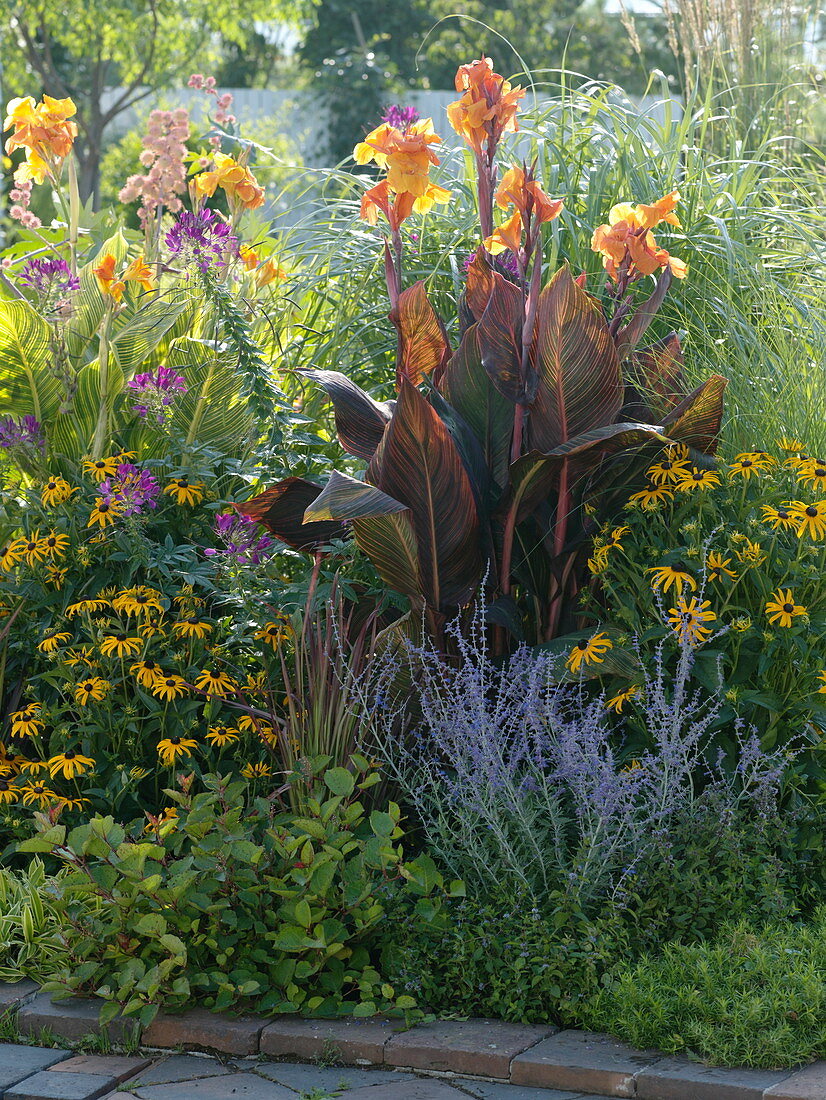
[
  {"x": 751, "y": 553},
  {"x": 688, "y": 619},
  {"x": 718, "y": 567},
  {"x": 69, "y": 764},
  {"x": 52, "y": 639},
  {"x": 192, "y": 627},
  {"x": 822, "y": 677},
  {"x": 272, "y": 634},
  {"x": 215, "y": 682},
  {"x": 101, "y": 468},
  {"x": 650, "y": 499},
  {"x": 589, "y": 651},
  {"x": 138, "y": 601},
  {"x": 698, "y": 479},
  {"x": 104, "y": 513},
  {"x": 598, "y": 564},
  {"x": 93, "y": 687},
  {"x": 72, "y": 803},
  {"x": 169, "y": 687},
  {"x": 152, "y": 628},
  {"x": 668, "y": 576},
  {"x": 26, "y": 722},
  {"x": 10, "y": 554},
  {"x": 36, "y": 793},
  {"x": 813, "y": 474},
  {"x": 788, "y": 443},
  {"x": 81, "y": 656},
  {"x": 256, "y": 771},
  {"x": 146, "y": 672},
  {"x": 221, "y": 735},
  {"x": 618, "y": 701},
  {"x": 747, "y": 466},
  {"x": 33, "y": 550},
  {"x": 170, "y": 748},
  {"x": 811, "y": 517},
  {"x": 32, "y": 767},
  {"x": 668, "y": 471},
  {"x": 781, "y": 608},
  {"x": 778, "y": 518},
  {"x": 8, "y": 791},
  {"x": 184, "y": 491},
  {"x": 56, "y": 491},
  {"x": 120, "y": 645},
  {"x": 55, "y": 577},
  {"x": 55, "y": 545}
]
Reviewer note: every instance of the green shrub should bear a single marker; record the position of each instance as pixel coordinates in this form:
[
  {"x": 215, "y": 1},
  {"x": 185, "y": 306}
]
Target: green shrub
[
  {"x": 754, "y": 996},
  {"x": 230, "y": 904}
]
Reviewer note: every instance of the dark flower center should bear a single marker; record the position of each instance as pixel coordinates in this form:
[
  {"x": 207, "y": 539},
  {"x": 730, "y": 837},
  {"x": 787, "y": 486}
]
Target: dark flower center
[
  {"x": 667, "y": 464},
  {"x": 782, "y": 515},
  {"x": 169, "y": 683},
  {"x": 31, "y": 545},
  {"x": 149, "y": 665},
  {"x": 141, "y": 599},
  {"x": 103, "y": 508},
  {"x": 193, "y": 620},
  {"x": 811, "y": 511},
  {"x": 788, "y": 608},
  {"x": 819, "y": 472},
  {"x": 183, "y": 483},
  {"x": 51, "y": 541},
  {"x": 100, "y": 465},
  {"x": 69, "y": 754},
  {"x": 583, "y": 645},
  {"x": 51, "y": 485},
  {"x": 174, "y": 740},
  {"x": 746, "y": 462},
  {"x": 4, "y": 786},
  {"x": 38, "y": 789},
  {"x": 698, "y": 476}
]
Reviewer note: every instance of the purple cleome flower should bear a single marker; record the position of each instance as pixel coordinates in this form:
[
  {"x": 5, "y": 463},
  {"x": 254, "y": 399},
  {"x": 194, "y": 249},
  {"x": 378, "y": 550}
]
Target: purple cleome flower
[
  {"x": 203, "y": 238},
  {"x": 158, "y": 391},
  {"x": 400, "y": 117},
  {"x": 22, "y": 433},
  {"x": 506, "y": 262},
  {"x": 242, "y": 543},
  {"x": 49, "y": 275},
  {"x": 131, "y": 487}
]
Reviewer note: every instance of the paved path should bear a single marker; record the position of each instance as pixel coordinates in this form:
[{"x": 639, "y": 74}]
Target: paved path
[{"x": 40, "y": 1073}]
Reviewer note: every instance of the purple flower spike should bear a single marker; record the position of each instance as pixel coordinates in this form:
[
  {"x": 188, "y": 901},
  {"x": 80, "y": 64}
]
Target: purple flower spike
[
  {"x": 203, "y": 239},
  {"x": 132, "y": 487},
  {"x": 400, "y": 117},
  {"x": 242, "y": 544},
  {"x": 157, "y": 392},
  {"x": 46, "y": 276}
]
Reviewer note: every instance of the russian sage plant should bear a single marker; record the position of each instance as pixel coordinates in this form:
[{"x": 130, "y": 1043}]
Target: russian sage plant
[{"x": 519, "y": 780}]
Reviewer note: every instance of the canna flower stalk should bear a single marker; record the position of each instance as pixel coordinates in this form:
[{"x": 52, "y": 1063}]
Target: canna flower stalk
[
  {"x": 486, "y": 110},
  {"x": 45, "y": 131}
]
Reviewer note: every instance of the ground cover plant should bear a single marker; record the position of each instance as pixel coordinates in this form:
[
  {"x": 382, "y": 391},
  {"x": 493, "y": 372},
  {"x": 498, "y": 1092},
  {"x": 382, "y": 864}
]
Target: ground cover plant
[{"x": 554, "y": 623}]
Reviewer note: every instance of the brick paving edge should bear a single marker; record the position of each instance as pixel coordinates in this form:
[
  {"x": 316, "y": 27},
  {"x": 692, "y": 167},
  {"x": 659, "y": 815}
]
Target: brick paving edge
[{"x": 534, "y": 1056}]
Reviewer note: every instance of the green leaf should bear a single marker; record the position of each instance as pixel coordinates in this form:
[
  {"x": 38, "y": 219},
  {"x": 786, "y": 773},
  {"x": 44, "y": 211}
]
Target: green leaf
[
  {"x": 28, "y": 385},
  {"x": 340, "y": 781}
]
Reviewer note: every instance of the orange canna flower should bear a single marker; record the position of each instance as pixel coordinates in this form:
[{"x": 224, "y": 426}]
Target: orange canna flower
[
  {"x": 521, "y": 190},
  {"x": 488, "y": 105},
  {"x": 268, "y": 272},
  {"x": 239, "y": 184},
  {"x": 406, "y": 156},
  {"x": 248, "y": 257},
  {"x": 139, "y": 272},
  {"x": 397, "y": 207},
  {"x": 507, "y": 236},
  {"x": 44, "y": 131},
  {"x": 105, "y": 275},
  {"x": 626, "y": 241}
]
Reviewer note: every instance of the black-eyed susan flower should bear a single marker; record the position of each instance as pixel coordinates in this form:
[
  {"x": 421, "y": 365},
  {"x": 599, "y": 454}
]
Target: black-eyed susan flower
[
  {"x": 688, "y": 620},
  {"x": 750, "y": 553},
  {"x": 185, "y": 491},
  {"x": 87, "y": 607},
  {"x": 778, "y": 518},
  {"x": 651, "y": 499},
  {"x": 11, "y": 554},
  {"x": 101, "y": 468},
  {"x": 618, "y": 701},
  {"x": 124, "y": 456},
  {"x": 810, "y": 517},
  {"x": 747, "y": 465},
  {"x": 615, "y": 537},
  {"x": 813, "y": 475},
  {"x": 272, "y": 634},
  {"x": 83, "y": 655},
  {"x": 672, "y": 576},
  {"x": 741, "y": 623},
  {"x": 10, "y": 762},
  {"x": 56, "y": 491},
  {"x": 91, "y": 688},
  {"x": 822, "y": 677},
  {"x": 700, "y": 480},
  {"x": 668, "y": 471},
  {"x": 165, "y": 821},
  {"x": 55, "y": 577},
  {"x": 35, "y": 793},
  {"x": 9, "y": 792},
  {"x": 32, "y": 767},
  {"x": 104, "y": 513},
  {"x": 193, "y": 626},
  {"x": 222, "y": 735},
  {"x": 72, "y": 803},
  {"x": 152, "y": 628},
  {"x": 790, "y": 444},
  {"x": 27, "y": 722},
  {"x": 52, "y": 640},
  {"x": 215, "y": 682},
  {"x": 169, "y": 687},
  {"x": 33, "y": 550},
  {"x": 256, "y": 681},
  {"x": 170, "y": 748},
  {"x": 589, "y": 651},
  {"x": 598, "y": 564},
  {"x": 146, "y": 672},
  {"x": 140, "y": 601},
  {"x": 120, "y": 645},
  {"x": 782, "y": 610},
  {"x": 55, "y": 545},
  {"x": 718, "y": 567},
  {"x": 256, "y": 771},
  {"x": 69, "y": 764}
]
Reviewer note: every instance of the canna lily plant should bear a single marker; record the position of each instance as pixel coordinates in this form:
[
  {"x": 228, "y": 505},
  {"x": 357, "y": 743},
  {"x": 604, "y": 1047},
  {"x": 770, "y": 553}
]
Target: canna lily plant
[{"x": 502, "y": 456}]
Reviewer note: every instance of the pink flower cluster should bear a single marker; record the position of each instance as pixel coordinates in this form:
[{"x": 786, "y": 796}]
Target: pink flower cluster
[
  {"x": 164, "y": 149},
  {"x": 222, "y": 116},
  {"x": 20, "y": 196}
]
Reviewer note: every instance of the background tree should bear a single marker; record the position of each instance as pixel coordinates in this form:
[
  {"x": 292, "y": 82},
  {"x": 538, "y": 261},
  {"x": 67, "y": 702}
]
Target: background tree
[{"x": 109, "y": 54}]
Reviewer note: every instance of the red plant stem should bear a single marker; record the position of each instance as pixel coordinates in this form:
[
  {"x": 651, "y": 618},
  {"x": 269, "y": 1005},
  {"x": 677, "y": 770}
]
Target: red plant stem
[{"x": 311, "y": 590}]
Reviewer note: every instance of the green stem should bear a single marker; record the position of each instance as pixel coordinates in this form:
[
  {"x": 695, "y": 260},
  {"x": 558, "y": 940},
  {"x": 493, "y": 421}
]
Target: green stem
[{"x": 101, "y": 437}]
